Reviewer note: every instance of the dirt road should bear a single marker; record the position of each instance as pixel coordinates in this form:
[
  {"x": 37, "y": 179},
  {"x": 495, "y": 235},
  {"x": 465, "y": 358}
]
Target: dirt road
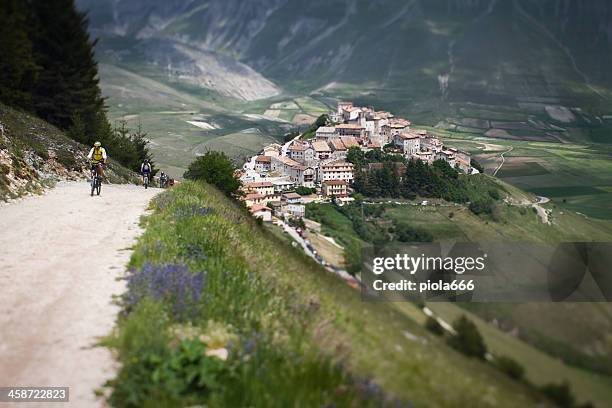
[
  {"x": 60, "y": 257},
  {"x": 503, "y": 160}
]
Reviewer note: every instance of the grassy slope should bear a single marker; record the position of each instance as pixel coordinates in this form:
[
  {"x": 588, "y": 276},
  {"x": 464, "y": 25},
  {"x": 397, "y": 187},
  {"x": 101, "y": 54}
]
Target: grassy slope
[
  {"x": 564, "y": 330},
  {"x": 368, "y": 337}
]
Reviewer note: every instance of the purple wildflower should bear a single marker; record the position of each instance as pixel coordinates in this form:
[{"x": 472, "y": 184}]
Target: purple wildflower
[
  {"x": 173, "y": 284},
  {"x": 191, "y": 211}
]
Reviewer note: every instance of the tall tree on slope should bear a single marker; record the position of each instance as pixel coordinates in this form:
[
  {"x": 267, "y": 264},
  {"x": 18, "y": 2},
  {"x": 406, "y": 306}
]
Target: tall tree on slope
[
  {"x": 67, "y": 89},
  {"x": 17, "y": 68}
]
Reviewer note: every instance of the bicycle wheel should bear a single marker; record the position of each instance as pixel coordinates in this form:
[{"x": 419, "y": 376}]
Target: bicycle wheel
[
  {"x": 99, "y": 187},
  {"x": 93, "y": 185},
  {"x": 146, "y": 182}
]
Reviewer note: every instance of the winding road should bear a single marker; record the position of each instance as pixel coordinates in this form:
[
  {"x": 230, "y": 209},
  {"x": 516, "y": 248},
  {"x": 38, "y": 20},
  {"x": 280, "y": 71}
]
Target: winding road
[
  {"x": 61, "y": 255},
  {"x": 503, "y": 160}
]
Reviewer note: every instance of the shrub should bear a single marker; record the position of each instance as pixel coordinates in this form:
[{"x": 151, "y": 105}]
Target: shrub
[
  {"x": 482, "y": 206},
  {"x": 407, "y": 233},
  {"x": 494, "y": 194},
  {"x": 214, "y": 168},
  {"x": 305, "y": 190},
  {"x": 467, "y": 339},
  {"x": 66, "y": 159},
  {"x": 41, "y": 151},
  {"x": 433, "y": 326},
  {"x": 560, "y": 394},
  {"x": 510, "y": 367}
]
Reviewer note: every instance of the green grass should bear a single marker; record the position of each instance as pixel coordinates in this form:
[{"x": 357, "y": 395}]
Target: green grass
[
  {"x": 522, "y": 170},
  {"x": 556, "y": 167},
  {"x": 576, "y": 333},
  {"x": 305, "y": 316},
  {"x": 540, "y": 368},
  {"x": 566, "y": 191}
]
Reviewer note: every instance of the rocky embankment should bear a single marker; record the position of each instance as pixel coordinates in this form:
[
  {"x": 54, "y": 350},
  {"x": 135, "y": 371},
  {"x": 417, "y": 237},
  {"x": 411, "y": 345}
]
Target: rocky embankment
[{"x": 35, "y": 155}]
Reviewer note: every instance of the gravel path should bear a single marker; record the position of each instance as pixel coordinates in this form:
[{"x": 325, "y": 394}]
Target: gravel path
[{"x": 60, "y": 257}]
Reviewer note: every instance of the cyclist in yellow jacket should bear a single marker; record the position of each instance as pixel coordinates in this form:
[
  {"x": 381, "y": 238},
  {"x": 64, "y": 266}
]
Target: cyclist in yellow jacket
[{"x": 97, "y": 156}]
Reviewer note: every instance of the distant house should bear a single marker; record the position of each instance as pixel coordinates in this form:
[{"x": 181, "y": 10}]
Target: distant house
[
  {"x": 349, "y": 141},
  {"x": 272, "y": 150},
  {"x": 394, "y": 127},
  {"x": 261, "y": 211},
  {"x": 282, "y": 164},
  {"x": 293, "y": 205},
  {"x": 264, "y": 188},
  {"x": 409, "y": 143},
  {"x": 281, "y": 186},
  {"x": 263, "y": 163},
  {"x": 432, "y": 143},
  {"x": 463, "y": 160},
  {"x": 425, "y": 155},
  {"x": 326, "y": 132},
  {"x": 335, "y": 188},
  {"x": 338, "y": 148},
  {"x": 344, "y": 106},
  {"x": 322, "y": 150},
  {"x": 301, "y": 175},
  {"x": 296, "y": 152},
  {"x": 348, "y": 129},
  {"x": 336, "y": 170},
  {"x": 253, "y": 198},
  {"x": 448, "y": 156}
]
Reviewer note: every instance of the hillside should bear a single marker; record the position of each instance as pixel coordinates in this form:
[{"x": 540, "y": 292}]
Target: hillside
[
  {"x": 35, "y": 155},
  {"x": 296, "y": 332},
  {"x": 563, "y": 341}
]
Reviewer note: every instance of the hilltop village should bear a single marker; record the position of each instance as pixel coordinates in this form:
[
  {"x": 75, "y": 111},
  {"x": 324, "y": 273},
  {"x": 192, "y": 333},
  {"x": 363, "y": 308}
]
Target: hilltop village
[{"x": 272, "y": 179}]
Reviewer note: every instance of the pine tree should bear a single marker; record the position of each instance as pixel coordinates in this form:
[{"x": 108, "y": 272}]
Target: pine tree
[
  {"x": 68, "y": 84},
  {"x": 17, "y": 68}
]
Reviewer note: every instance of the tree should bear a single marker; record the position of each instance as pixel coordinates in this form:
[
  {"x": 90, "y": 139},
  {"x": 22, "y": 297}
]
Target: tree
[
  {"x": 407, "y": 233},
  {"x": 214, "y": 168},
  {"x": 560, "y": 394},
  {"x": 433, "y": 326},
  {"x": 68, "y": 83},
  {"x": 446, "y": 170},
  {"x": 510, "y": 367},
  {"x": 475, "y": 164},
  {"x": 47, "y": 67},
  {"x": 355, "y": 155},
  {"x": 17, "y": 67},
  {"x": 305, "y": 190},
  {"x": 467, "y": 339},
  {"x": 482, "y": 206}
]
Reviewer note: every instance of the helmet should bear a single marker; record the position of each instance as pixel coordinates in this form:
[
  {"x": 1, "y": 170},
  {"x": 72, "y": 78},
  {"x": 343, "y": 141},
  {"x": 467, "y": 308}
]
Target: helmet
[
  {"x": 146, "y": 160},
  {"x": 97, "y": 144}
]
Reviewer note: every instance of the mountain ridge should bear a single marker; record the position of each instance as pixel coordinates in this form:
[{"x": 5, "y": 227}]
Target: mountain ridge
[{"x": 423, "y": 53}]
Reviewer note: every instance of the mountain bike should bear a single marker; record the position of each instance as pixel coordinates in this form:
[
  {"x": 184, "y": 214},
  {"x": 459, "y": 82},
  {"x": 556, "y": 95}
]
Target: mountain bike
[
  {"x": 163, "y": 182},
  {"x": 96, "y": 180},
  {"x": 145, "y": 180}
]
